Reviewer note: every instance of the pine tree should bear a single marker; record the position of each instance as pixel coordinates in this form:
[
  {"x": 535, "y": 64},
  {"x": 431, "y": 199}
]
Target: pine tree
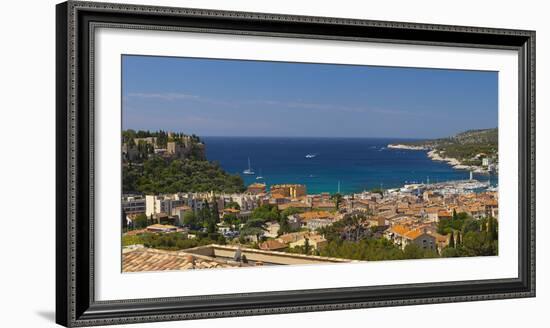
[
  {"x": 455, "y": 216},
  {"x": 495, "y": 229},
  {"x": 306, "y": 246},
  {"x": 211, "y": 226},
  {"x": 458, "y": 238},
  {"x": 124, "y": 221},
  {"x": 215, "y": 212},
  {"x": 490, "y": 229},
  {"x": 452, "y": 240}
]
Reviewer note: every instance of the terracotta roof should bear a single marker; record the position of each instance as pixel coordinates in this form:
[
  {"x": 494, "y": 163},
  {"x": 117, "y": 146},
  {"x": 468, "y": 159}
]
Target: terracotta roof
[
  {"x": 476, "y": 208},
  {"x": 277, "y": 195},
  {"x": 316, "y": 238},
  {"x": 293, "y": 204},
  {"x": 399, "y": 229},
  {"x": 158, "y": 260},
  {"x": 439, "y": 237},
  {"x": 413, "y": 234},
  {"x": 291, "y": 237},
  {"x": 324, "y": 204},
  {"x": 257, "y": 185},
  {"x": 432, "y": 209},
  {"x": 444, "y": 213},
  {"x": 315, "y": 215},
  {"x": 272, "y": 245}
]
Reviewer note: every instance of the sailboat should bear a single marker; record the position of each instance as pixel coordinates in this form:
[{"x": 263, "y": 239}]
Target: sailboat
[
  {"x": 259, "y": 177},
  {"x": 249, "y": 170}
]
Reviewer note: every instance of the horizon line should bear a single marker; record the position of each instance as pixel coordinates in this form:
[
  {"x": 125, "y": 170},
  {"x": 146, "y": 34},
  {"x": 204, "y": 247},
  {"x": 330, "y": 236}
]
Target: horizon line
[{"x": 317, "y": 137}]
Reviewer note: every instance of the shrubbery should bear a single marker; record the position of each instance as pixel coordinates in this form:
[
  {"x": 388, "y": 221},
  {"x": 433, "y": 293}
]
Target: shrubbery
[
  {"x": 158, "y": 175},
  {"x": 170, "y": 241}
]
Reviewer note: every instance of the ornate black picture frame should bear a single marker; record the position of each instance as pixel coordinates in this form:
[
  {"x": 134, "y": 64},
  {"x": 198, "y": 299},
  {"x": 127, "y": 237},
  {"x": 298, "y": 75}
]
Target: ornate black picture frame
[{"x": 75, "y": 301}]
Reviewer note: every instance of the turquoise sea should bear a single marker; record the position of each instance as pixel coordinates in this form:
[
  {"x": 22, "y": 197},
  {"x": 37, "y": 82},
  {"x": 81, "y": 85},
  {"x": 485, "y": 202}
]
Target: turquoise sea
[{"x": 354, "y": 164}]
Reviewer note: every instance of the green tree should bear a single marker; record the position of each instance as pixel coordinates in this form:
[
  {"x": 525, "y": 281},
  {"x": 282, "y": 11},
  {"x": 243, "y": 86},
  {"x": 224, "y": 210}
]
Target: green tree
[
  {"x": 255, "y": 223},
  {"x": 211, "y": 226},
  {"x": 478, "y": 244},
  {"x": 252, "y": 231},
  {"x": 191, "y": 220},
  {"x": 284, "y": 226},
  {"x": 232, "y": 220},
  {"x": 307, "y": 247},
  {"x": 124, "y": 221},
  {"x": 492, "y": 230},
  {"x": 255, "y": 227},
  {"x": 290, "y": 211},
  {"x": 471, "y": 224},
  {"x": 375, "y": 249},
  {"x": 337, "y": 200},
  {"x": 446, "y": 226},
  {"x": 204, "y": 215},
  {"x": 140, "y": 221},
  {"x": 450, "y": 252},
  {"x": 266, "y": 213},
  {"x": 378, "y": 191},
  {"x": 159, "y": 175},
  {"x": 215, "y": 213},
  {"x": 452, "y": 240},
  {"x": 412, "y": 251},
  {"x": 233, "y": 205}
]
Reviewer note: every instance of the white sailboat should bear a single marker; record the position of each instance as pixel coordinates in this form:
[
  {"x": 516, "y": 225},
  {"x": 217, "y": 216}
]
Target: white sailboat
[
  {"x": 249, "y": 170},
  {"x": 259, "y": 177}
]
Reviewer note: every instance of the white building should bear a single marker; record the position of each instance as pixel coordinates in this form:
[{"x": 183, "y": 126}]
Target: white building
[
  {"x": 133, "y": 204},
  {"x": 196, "y": 201}
]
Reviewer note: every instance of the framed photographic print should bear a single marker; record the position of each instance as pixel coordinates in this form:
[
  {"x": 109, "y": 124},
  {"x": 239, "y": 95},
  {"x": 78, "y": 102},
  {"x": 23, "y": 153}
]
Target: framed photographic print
[{"x": 214, "y": 163}]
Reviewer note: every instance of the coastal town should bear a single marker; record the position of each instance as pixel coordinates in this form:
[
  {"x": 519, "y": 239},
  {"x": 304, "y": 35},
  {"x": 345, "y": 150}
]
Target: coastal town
[{"x": 260, "y": 224}]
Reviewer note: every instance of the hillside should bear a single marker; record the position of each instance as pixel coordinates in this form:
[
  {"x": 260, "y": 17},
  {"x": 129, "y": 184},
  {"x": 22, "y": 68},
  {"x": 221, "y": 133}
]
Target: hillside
[
  {"x": 166, "y": 162},
  {"x": 465, "y": 150},
  {"x": 469, "y": 137},
  {"x": 159, "y": 175},
  {"x": 486, "y": 136}
]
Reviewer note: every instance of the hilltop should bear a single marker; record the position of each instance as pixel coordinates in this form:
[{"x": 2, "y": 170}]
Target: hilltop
[
  {"x": 485, "y": 136},
  {"x": 138, "y": 146},
  {"x": 167, "y": 162}
]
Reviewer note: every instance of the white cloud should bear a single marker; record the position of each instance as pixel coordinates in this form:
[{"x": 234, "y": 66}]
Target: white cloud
[{"x": 312, "y": 106}]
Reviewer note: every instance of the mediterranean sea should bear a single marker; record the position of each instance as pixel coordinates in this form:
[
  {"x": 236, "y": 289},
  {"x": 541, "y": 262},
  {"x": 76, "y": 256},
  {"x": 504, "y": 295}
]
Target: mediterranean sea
[{"x": 351, "y": 164}]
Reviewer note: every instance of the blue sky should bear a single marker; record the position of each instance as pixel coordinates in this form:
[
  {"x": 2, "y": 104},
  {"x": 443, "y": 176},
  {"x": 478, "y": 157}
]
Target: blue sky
[{"x": 253, "y": 98}]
